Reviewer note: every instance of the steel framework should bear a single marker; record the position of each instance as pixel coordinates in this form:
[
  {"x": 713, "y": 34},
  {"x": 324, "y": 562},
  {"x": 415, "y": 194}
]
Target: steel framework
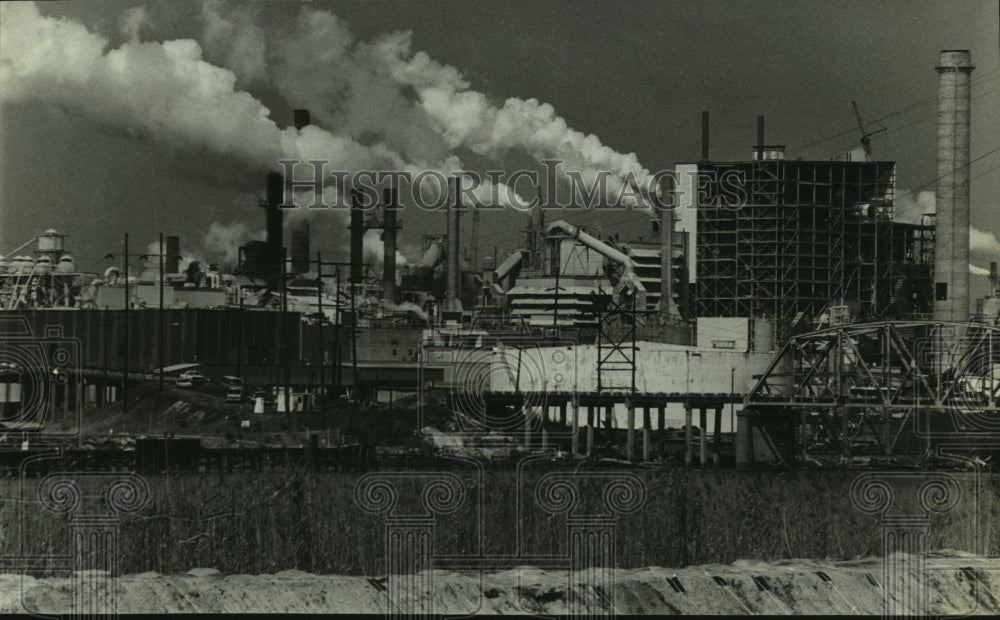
[
  {"x": 884, "y": 388},
  {"x": 808, "y": 234}
]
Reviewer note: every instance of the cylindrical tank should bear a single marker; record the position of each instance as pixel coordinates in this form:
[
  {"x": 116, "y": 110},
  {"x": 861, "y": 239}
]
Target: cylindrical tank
[
  {"x": 43, "y": 266},
  {"x": 951, "y": 255},
  {"x": 50, "y": 241},
  {"x": 66, "y": 264}
]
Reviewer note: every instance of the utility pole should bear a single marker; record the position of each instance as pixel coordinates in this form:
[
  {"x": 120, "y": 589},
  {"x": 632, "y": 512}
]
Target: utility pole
[
  {"x": 336, "y": 323},
  {"x": 322, "y": 318},
  {"x": 125, "y": 368},
  {"x": 336, "y": 334},
  {"x": 355, "y": 379},
  {"x": 160, "y": 322},
  {"x": 284, "y": 332}
]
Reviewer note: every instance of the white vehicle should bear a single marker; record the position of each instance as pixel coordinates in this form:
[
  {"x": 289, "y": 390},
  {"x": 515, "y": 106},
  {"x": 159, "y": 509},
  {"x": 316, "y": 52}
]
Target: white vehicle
[
  {"x": 234, "y": 395},
  {"x": 192, "y": 376},
  {"x": 232, "y": 382},
  {"x": 183, "y": 383}
]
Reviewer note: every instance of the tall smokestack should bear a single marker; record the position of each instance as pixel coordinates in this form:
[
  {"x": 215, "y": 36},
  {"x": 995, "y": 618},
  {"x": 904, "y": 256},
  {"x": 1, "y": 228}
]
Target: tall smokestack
[
  {"x": 357, "y": 237},
  {"x": 951, "y": 253},
  {"x": 275, "y": 196},
  {"x": 389, "y": 246},
  {"x": 704, "y": 135},
  {"x": 760, "y": 138},
  {"x": 172, "y": 249},
  {"x": 668, "y": 310},
  {"x": 452, "y": 303},
  {"x": 300, "y": 118}
]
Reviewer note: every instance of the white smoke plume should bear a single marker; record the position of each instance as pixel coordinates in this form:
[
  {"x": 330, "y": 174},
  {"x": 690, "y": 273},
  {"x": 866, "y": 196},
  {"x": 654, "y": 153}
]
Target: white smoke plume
[
  {"x": 222, "y": 241},
  {"x": 978, "y": 271},
  {"x": 163, "y": 91},
  {"x": 467, "y": 118},
  {"x": 374, "y": 250},
  {"x": 234, "y": 40},
  {"x": 368, "y": 93},
  {"x": 909, "y": 209}
]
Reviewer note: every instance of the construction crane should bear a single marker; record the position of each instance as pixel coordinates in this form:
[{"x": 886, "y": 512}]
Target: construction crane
[{"x": 866, "y": 142}]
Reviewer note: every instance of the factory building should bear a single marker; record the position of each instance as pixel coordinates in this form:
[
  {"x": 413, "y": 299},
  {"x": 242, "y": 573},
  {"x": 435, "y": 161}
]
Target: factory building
[{"x": 783, "y": 245}]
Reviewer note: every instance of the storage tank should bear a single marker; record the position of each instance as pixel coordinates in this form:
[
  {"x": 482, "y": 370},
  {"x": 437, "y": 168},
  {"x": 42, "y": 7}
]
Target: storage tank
[
  {"x": 50, "y": 242},
  {"x": 43, "y": 266},
  {"x": 66, "y": 264}
]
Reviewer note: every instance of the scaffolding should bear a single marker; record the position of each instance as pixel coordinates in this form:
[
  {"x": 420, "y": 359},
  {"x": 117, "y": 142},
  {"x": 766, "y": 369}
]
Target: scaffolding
[{"x": 808, "y": 234}]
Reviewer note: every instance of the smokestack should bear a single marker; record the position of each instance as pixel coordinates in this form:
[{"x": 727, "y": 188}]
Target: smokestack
[
  {"x": 389, "y": 246},
  {"x": 172, "y": 249},
  {"x": 993, "y": 280},
  {"x": 951, "y": 254},
  {"x": 300, "y": 248},
  {"x": 357, "y": 237},
  {"x": 668, "y": 311},
  {"x": 452, "y": 303},
  {"x": 275, "y": 196},
  {"x": 704, "y": 135},
  {"x": 760, "y": 138},
  {"x": 300, "y": 118}
]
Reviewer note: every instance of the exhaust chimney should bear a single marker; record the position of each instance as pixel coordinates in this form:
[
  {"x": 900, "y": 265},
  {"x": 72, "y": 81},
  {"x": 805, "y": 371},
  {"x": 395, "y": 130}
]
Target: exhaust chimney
[
  {"x": 275, "y": 196},
  {"x": 951, "y": 254},
  {"x": 668, "y": 310},
  {"x": 300, "y": 118},
  {"x": 452, "y": 303},
  {"x": 357, "y": 237},
  {"x": 389, "y": 246},
  {"x": 760, "y": 138},
  {"x": 704, "y": 135},
  {"x": 993, "y": 280},
  {"x": 172, "y": 249}
]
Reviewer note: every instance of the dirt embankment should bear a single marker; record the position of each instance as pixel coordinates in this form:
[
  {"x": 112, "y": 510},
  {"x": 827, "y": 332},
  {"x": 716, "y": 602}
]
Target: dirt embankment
[{"x": 744, "y": 587}]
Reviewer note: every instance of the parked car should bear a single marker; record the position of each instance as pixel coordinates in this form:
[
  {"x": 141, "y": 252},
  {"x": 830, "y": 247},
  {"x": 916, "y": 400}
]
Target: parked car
[
  {"x": 183, "y": 382},
  {"x": 193, "y": 376},
  {"x": 231, "y": 381},
  {"x": 234, "y": 395}
]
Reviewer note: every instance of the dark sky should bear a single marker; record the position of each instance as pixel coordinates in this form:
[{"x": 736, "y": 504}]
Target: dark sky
[{"x": 636, "y": 74}]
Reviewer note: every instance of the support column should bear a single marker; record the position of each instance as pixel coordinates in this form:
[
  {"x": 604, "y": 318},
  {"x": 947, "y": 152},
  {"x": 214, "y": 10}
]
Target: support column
[
  {"x": 645, "y": 444},
  {"x": 630, "y": 436},
  {"x": 591, "y": 414},
  {"x": 575, "y": 438},
  {"x": 661, "y": 428},
  {"x": 717, "y": 437},
  {"x": 562, "y": 414},
  {"x": 687, "y": 436}
]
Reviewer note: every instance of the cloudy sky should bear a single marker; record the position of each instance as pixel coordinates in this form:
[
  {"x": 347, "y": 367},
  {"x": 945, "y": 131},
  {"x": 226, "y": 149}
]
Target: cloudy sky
[{"x": 143, "y": 117}]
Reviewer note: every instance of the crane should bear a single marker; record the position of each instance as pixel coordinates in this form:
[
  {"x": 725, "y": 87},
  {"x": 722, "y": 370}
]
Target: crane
[{"x": 866, "y": 142}]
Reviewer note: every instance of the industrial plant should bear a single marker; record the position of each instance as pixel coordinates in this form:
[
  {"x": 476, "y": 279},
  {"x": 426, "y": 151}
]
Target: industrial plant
[{"x": 805, "y": 324}]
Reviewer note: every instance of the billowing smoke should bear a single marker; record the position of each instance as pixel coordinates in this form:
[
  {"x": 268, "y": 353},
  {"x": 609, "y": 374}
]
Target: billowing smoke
[
  {"x": 163, "y": 91},
  {"x": 983, "y": 244},
  {"x": 468, "y": 118},
  {"x": 407, "y": 306},
  {"x": 369, "y": 94},
  {"x": 910, "y": 208},
  {"x": 234, "y": 40},
  {"x": 151, "y": 266},
  {"x": 221, "y": 242},
  {"x": 374, "y": 252}
]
